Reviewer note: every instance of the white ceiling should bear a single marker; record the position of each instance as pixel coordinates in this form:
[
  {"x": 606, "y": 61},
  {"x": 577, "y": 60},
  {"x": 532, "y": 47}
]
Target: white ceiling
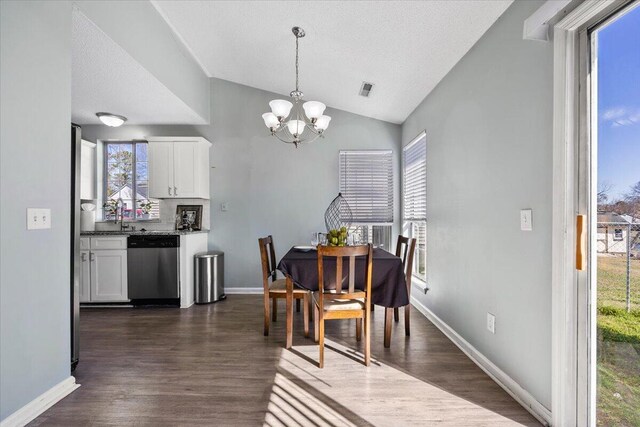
[
  {"x": 106, "y": 78},
  {"x": 404, "y": 47}
]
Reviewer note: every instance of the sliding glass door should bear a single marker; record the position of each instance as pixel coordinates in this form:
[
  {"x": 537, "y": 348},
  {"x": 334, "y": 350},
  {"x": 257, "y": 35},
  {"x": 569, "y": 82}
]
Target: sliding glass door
[{"x": 609, "y": 192}]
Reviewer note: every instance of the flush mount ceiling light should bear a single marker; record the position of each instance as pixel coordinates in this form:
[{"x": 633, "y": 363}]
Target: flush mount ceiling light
[
  {"x": 293, "y": 130},
  {"x": 112, "y": 120}
]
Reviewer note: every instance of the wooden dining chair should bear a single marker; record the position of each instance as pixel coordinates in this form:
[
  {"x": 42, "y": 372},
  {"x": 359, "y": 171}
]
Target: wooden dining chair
[
  {"x": 405, "y": 249},
  {"x": 275, "y": 288},
  {"x": 337, "y": 303}
]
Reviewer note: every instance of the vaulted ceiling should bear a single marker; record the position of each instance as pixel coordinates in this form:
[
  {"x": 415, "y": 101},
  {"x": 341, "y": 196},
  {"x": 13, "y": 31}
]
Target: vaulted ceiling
[{"x": 403, "y": 47}]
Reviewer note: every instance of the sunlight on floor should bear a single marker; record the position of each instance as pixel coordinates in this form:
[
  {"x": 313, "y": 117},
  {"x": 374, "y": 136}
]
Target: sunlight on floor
[{"x": 346, "y": 393}]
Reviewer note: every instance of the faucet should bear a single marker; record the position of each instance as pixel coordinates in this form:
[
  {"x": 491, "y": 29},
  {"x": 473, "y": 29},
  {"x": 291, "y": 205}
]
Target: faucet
[{"x": 120, "y": 203}]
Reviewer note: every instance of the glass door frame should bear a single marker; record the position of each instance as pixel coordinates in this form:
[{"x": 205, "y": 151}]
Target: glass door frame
[{"x": 573, "y": 271}]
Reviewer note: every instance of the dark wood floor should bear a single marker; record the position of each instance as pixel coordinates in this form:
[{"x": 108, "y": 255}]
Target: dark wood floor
[{"x": 211, "y": 365}]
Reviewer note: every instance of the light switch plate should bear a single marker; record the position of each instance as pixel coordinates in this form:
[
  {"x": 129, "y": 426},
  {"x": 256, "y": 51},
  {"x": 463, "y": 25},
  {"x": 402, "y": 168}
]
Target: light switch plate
[
  {"x": 491, "y": 323},
  {"x": 224, "y": 206},
  {"x": 526, "y": 220},
  {"x": 38, "y": 218}
]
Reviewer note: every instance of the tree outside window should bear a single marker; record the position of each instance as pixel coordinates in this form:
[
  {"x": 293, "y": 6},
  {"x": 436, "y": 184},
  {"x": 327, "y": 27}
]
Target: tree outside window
[{"x": 126, "y": 177}]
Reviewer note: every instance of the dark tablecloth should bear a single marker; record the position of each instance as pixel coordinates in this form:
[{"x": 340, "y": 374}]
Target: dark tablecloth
[{"x": 388, "y": 285}]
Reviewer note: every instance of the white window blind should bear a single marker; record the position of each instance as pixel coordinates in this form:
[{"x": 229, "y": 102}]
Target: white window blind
[
  {"x": 414, "y": 180},
  {"x": 366, "y": 182}
]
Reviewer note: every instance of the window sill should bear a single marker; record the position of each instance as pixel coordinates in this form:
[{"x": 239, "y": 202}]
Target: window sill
[{"x": 420, "y": 284}]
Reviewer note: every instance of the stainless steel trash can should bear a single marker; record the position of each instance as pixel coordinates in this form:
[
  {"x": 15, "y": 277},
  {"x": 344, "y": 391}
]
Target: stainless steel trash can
[{"x": 209, "y": 277}]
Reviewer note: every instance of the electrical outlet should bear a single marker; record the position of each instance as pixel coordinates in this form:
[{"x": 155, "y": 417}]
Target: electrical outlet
[
  {"x": 491, "y": 323},
  {"x": 38, "y": 218},
  {"x": 526, "y": 220}
]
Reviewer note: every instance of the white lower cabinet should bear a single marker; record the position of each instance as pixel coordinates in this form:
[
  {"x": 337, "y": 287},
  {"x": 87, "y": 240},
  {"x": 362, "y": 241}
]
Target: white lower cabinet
[{"x": 104, "y": 271}]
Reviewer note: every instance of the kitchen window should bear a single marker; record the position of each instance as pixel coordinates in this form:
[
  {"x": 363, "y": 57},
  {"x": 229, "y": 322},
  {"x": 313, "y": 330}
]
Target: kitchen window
[
  {"x": 414, "y": 199},
  {"x": 126, "y": 177},
  {"x": 366, "y": 183}
]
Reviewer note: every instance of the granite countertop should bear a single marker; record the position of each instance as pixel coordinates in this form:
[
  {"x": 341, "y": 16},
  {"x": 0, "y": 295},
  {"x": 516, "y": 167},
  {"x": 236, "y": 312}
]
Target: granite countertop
[{"x": 140, "y": 233}]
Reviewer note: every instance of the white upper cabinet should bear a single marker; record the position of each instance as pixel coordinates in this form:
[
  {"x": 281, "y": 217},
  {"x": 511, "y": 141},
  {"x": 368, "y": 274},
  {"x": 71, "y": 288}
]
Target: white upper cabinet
[
  {"x": 185, "y": 181},
  {"x": 178, "y": 167},
  {"x": 160, "y": 158}
]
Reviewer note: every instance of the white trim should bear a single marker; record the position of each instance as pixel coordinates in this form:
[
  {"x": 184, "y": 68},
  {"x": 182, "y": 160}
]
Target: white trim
[
  {"x": 419, "y": 283},
  {"x": 523, "y": 397},
  {"x": 243, "y": 291},
  {"x": 415, "y": 140},
  {"x": 37, "y": 406},
  {"x": 536, "y": 26}
]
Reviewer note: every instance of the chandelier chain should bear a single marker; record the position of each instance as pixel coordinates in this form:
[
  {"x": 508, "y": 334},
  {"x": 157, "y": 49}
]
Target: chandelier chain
[{"x": 297, "y": 64}]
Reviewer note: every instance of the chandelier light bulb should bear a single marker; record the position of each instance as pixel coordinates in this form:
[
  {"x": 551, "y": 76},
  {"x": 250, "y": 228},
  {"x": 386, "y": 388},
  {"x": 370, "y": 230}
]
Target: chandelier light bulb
[
  {"x": 296, "y": 127},
  {"x": 322, "y": 123},
  {"x": 313, "y": 109},
  {"x": 280, "y": 108},
  {"x": 270, "y": 120}
]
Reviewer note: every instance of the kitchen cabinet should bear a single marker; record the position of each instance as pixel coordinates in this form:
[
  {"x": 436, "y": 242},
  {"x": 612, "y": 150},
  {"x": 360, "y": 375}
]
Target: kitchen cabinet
[
  {"x": 108, "y": 275},
  {"x": 178, "y": 167},
  {"x": 103, "y": 271}
]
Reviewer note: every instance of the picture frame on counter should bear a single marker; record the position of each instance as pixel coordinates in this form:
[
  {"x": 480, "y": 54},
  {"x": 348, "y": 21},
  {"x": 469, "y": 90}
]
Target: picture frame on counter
[{"x": 189, "y": 217}]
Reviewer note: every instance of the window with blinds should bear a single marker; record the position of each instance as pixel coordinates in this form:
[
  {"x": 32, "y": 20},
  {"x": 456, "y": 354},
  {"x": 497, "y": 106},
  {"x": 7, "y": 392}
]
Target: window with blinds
[
  {"x": 414, "y": 180},
  {"x": 414, "y": 200},
  {"x": 366, "y": 182}
]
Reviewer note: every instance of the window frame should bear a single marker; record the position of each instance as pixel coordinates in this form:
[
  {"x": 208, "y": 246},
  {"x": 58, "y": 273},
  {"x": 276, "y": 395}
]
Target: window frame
[
  {"x": 411, "y": 223},
  {"x": 134, "y": 179}
]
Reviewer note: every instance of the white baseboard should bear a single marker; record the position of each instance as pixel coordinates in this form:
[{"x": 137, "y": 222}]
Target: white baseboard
[
  {"x": 37, "y": 406},
  {"x": 514, "y": 389},
  {"x": 243, "y": 291}
]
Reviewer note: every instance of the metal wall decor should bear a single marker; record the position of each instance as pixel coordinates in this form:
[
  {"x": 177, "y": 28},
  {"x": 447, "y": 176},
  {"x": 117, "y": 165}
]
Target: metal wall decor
[{"x": 338, "y": 214}]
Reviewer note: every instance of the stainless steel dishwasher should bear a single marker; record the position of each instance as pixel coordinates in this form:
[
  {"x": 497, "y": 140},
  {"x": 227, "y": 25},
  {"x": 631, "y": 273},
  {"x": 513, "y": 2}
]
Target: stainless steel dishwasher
[{"x": 153, "y": 268}]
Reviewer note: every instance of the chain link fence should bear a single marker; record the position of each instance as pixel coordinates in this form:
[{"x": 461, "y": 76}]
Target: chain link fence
[{"x": 618, "y": 247}]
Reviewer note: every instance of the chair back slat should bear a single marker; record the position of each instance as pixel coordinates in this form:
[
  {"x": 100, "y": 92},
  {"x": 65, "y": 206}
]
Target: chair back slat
[
  {"x": 330, "y": 252},
  {"x": 352, "y": 274},
  {"x": 405, "y": 249},
  {"x": 339, "y": 274},
  {"x": 268, "y": 260}
]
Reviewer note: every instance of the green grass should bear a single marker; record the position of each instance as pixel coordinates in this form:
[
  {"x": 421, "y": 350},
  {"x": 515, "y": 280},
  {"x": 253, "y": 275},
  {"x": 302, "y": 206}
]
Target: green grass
[
  {"x": 618, "y": 395},
  {"x": 612, "y": 285},
  {"x": 615, "y": 324}
]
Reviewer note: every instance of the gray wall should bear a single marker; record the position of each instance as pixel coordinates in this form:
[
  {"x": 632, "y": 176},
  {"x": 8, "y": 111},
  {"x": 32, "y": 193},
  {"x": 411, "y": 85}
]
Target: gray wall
[
  {"x": 489, "y": 137},
  {"x": 140, "y": 30},
  {"x": 35, "y": 112},
  {"x": 270, "y": 187}
]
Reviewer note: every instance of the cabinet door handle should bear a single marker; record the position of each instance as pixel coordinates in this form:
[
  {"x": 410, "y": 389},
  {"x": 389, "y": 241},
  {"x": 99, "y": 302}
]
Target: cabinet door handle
[
  {"x": 84, "y": 257},
  {"x": 92, "y": 256},
  {"x": 175, "y": 191},
  {"x": 169, "y": 190}
]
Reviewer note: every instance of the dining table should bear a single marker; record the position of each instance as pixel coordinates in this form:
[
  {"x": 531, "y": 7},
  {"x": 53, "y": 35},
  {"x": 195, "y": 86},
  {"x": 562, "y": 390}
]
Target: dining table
[{"x": 388, "y": 284}]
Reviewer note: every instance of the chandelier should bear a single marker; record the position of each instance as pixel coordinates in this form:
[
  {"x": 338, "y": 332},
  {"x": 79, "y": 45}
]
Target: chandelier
[{"x": 297, "y": 126}]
